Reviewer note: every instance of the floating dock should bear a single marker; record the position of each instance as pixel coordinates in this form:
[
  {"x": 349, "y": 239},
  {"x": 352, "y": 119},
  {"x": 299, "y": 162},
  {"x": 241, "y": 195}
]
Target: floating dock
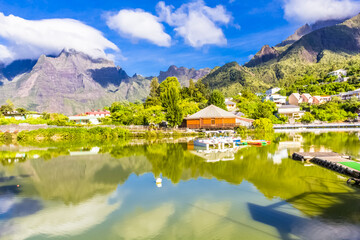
[{"x": 340, "y": 163}]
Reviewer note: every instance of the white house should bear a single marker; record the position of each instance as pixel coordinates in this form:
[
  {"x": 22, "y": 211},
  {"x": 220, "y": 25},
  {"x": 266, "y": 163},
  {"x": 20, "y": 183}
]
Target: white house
[
  {"x": 84, "y": 119},
  {"x": 246, "y": 122},
  {"x": 272, "y": 91},
  {"x": 339, "y": 73},
  {"x": 291, "y": 111},
  {"x": 350, "y": 94},
  {"x": 90, "y": 117},
  {"x": 230, "y": 105},
  {"x": 276, "y": 98},
  {"x": 16, "y": 115}
]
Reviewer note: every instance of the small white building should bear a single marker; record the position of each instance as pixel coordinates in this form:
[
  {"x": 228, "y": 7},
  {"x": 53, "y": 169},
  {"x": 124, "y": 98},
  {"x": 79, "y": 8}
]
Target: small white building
[
  {"x": 339, "y": 73},
  {"x": 291, "y": 111},
  {"x": 15, "y": 115},
  {"x": 350, "y": 94},
  {"x": 85, "y": 119},
  {"x": 246, "y": 122},
  {"x": 272, "y": 91},
  {"x": 230, "y": 105},
  {"x": 276, "y": 98},
  {"x": 90, "y": 117}
]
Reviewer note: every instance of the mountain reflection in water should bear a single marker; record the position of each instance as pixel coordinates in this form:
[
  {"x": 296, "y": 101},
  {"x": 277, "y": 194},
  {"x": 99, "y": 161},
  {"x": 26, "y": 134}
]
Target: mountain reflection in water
[{"x": 109, "y": 192}]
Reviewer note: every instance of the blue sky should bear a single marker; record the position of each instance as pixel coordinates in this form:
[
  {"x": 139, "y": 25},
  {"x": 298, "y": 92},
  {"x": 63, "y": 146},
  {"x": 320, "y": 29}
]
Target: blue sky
[{"x": 144, "y": 36}]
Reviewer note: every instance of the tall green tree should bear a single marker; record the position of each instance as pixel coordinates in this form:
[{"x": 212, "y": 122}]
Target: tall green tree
[
  {"x": 153, "y": 98},
  {"x": 217, "y": 99},
  {"x": 192, "y": 88},
  {"x": 202, "y": 88},
  {"x": 170, "y": 100},
  {"x": 154, "y": 87},
  {"x": 8, "y": 107}
]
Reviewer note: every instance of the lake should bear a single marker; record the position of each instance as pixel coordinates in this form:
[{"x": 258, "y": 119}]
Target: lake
[{"x": 109, "y": 191}]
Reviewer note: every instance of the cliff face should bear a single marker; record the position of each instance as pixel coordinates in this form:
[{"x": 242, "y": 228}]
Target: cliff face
[
  {"x": 341, "y": 39},
  {"x": 265, "y": 54},
  {"x": 306, "y": 29},
  {"x": 71, "y": 83},
  {"x": 184, "y": 74},
  {"x": 310, "y": 41}
]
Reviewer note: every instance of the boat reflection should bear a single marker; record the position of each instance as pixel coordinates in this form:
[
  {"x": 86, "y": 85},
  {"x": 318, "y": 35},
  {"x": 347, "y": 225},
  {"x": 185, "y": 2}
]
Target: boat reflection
[{"x": 216, "y": 155}]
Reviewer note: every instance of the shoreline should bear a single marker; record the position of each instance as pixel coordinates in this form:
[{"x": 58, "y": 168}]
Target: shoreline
[{"x": 317, "y": 130}]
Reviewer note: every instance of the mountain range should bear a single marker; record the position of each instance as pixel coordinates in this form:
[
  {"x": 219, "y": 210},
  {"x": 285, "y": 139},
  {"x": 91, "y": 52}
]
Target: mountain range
[{"x": 73, "y": 82}]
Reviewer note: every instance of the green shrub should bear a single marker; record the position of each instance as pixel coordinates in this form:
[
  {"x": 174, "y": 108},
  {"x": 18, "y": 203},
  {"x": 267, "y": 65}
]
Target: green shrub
[
  {"x": 307, "y": 118},
  {"x": 263, "y": 124}
]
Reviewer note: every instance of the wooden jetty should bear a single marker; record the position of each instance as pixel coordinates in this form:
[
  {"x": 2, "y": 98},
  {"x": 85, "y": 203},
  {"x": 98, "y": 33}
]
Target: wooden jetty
[{"x": 333, "y": 161}]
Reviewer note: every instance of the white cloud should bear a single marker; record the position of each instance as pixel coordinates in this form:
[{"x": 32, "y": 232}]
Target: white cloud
[
  {"x": 30, "y": 38},
  {"x": 137, "y": 24},
  {"x": 314, "y": 10},
  {"x": 196, "y": 22},
  {"x": 5, "y": 55}
]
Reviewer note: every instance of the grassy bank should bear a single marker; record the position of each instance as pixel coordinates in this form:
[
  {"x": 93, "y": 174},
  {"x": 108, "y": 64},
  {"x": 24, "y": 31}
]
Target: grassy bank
[
  {"x": 62, "y": 135},
  {"x": 73, "y": 134}
]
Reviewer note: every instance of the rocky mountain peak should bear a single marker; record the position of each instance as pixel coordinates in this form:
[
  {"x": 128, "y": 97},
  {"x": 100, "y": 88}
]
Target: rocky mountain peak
[
  {"x": 183, "y": 74},
  {"x": 265, "y": 54}
]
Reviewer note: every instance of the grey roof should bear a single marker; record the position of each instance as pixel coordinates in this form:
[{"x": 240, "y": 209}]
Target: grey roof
[
  {"x": 230, "y": 103},
  {"x": 212, "y": 112},
  {"x": 288, "y": 106},
  {"x": 239, "y": 114}
]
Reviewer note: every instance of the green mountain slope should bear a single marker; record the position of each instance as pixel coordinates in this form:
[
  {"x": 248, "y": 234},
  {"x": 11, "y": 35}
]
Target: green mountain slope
[{"x": 315, "y": 53}]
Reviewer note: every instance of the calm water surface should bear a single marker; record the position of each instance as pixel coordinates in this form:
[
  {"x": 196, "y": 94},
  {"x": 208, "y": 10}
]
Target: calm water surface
[{"x": 109, "y": 192}]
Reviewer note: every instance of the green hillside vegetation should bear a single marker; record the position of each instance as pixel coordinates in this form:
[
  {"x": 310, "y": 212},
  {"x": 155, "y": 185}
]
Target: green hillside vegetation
[
  {"x": 167, "y": 101},
  {"x": 289, "y": 74},
  {"x": 313, "y": 57}
]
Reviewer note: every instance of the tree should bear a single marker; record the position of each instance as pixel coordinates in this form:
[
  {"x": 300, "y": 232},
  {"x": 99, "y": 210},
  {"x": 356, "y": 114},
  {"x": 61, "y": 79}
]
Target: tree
[
  {"x": 21, "y": 110},
  {"x": 192, "y": 88},
  {"x": 263, "y": 124},
  {"x": 154, "y": 115},
  {"x": 202, "y": 88},
  {"x": 154, "y": 88},
  {"x": 189, "y": 107},
  {"x": 58, "y": 119},
  {"x": 264, "y": 110},
  {"x": 217, "y": 99},
  {"x": 307, "y": 118},
  {"x": 8, "y": 107},
  {"x": 10, "y": 103},
  {"x": 170, "y": 100},
  {"x": 153, "y": 98}
]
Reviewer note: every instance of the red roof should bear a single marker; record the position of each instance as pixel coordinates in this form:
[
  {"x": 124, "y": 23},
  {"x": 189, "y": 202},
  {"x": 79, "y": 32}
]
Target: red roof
[{"x": 98, "y": 112}]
